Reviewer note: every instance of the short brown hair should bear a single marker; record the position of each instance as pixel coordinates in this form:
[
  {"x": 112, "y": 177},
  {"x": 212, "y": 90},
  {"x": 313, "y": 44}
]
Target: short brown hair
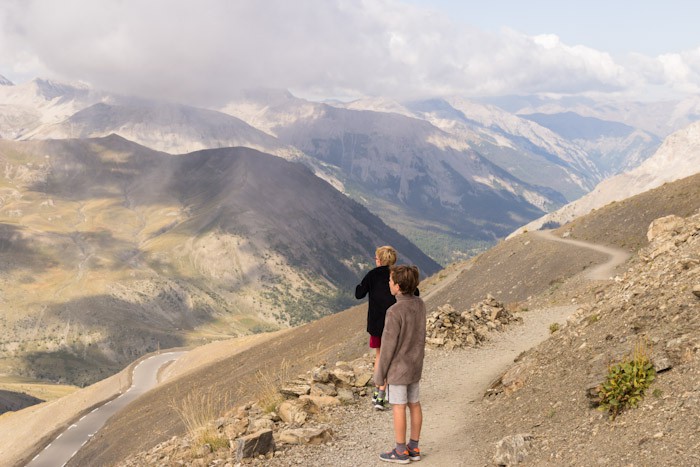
[
  {"x": 386, "y": 255},
  {"x": 406, "y": 277}
]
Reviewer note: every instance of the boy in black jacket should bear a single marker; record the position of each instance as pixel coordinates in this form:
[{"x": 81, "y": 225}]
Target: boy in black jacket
[{"x": 376, "y": 284}]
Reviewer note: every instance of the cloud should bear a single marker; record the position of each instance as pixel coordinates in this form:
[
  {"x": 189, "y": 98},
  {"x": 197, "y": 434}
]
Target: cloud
[{"x": 206, "y": 52}]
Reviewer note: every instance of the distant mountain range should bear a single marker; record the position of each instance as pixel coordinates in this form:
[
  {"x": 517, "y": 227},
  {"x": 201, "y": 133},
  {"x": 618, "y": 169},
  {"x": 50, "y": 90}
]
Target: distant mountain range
[
  {"x": 409, "y": 171},
  {"x": 483, "y": 171},
  {"x": 613, "y": 147}
]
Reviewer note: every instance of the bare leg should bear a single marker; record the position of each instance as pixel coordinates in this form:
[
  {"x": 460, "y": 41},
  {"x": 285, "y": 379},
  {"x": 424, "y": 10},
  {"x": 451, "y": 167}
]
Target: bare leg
[
  {"x": 416, "y": 419},
  {"x": 376, "y": 362},
  {"x": 400, "y": 423}
]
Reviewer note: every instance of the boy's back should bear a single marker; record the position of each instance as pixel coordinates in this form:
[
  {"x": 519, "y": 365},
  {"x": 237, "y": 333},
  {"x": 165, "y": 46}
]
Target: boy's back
[{"x": 403, "y": 341}]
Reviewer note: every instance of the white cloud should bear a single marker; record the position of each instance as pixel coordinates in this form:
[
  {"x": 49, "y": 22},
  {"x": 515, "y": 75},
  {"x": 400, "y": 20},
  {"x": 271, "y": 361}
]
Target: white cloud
[
  {"x": 205, "y": 52},
  {"x": 682, "y": 70}
]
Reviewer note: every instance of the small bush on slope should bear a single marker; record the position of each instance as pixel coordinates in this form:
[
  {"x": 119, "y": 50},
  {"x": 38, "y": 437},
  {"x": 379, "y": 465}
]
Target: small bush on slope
[{"x": 626, "y": 382}]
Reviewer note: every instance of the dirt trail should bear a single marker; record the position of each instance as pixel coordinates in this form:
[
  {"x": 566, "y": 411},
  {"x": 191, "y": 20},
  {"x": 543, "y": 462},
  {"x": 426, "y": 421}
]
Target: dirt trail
[
  {"x": 452, "y": 390},
  {"x": 602, "y": 271},
  {"x": 451, "y": 398},
  {"x": 455, "y": 381}
]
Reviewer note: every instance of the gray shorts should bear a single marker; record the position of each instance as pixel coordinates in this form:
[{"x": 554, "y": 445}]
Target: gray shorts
[{"x": 401, "y": 394}]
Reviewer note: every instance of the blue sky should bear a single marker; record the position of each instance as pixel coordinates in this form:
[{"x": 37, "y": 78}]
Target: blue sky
[
  {"x": 616, "y": 26},
  {"x": 206, "y": 52}
]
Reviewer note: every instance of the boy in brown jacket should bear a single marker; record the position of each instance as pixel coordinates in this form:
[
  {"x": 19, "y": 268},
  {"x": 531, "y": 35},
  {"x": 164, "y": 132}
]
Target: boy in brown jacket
[{"x": 401, "y": 361}]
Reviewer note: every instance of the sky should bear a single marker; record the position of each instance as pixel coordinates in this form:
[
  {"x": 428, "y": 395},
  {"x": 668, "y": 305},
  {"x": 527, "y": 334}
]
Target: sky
[{"x": 204, "y": 52}]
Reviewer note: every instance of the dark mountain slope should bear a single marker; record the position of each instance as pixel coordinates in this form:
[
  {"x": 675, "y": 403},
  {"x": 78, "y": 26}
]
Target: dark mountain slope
[{"x": 110, "y": 250}]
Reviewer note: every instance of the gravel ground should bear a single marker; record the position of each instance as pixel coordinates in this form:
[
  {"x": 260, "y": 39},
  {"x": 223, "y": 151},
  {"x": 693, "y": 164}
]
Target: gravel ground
[{"x": 451, "y": 392}]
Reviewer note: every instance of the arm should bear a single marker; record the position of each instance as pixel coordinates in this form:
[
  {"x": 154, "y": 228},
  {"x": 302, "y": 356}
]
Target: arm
[
  {"x": 390, "y": 339},
  {"x": 363, "y": 288}
]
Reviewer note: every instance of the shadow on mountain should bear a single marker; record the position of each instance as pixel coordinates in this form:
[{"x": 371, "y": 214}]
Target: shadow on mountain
[
  {"x": 85, "y": 340},
  {"x": 17, "y": 251},
  {"x": 11, "y": 401},
  {"x": 110, "y": 167},
  {"x": 172, "y": 229}
]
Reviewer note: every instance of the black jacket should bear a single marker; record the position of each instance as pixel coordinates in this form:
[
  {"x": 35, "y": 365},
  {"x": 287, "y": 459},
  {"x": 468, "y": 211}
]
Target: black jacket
[{"x": 376, "y": 284}]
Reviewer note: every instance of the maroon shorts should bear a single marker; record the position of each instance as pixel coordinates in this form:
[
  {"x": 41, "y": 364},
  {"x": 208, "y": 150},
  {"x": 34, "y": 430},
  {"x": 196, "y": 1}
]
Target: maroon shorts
[{"x": 375, "y": 342}]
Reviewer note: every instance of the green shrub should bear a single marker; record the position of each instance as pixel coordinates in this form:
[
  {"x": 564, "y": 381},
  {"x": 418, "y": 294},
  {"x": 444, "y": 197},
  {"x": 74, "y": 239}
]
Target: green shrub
[
  {"x": 626, "y": 382},
  {"x": 554, "y": 327}
]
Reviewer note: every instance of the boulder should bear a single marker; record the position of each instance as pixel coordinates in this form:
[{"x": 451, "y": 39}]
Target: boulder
[
  {"x": 309, "y": 435},
  {"x": 254, "y": 444},
  {"x": 512, "y": 450}
]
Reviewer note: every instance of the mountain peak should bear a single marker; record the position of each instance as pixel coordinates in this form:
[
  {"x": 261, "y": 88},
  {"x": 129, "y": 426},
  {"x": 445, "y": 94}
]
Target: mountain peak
[
  {"x": 50, "y": 89},
  {"x": 270, "y": 96},
  {"x": 5, "y": 82}
]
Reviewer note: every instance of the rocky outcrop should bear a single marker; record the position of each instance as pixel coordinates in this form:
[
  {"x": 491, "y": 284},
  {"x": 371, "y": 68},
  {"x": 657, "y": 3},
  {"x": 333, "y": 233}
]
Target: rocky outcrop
[
  {"x": 250, "y": 431},
  {"x": 448, "y": 328}
]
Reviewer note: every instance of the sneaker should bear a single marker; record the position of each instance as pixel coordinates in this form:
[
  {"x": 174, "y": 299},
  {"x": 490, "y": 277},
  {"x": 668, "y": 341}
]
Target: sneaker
[
  {"x": 380, "y": 404},
  {"x": 413, "y": 453},
  {"x": 395, "y": 457},
  {"x": 375, "y": 397}
]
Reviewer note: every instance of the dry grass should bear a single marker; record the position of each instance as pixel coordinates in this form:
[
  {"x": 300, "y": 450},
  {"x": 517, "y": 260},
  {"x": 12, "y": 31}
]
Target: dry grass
[
  {"x": 269, "y": 383},
  {"x": 197, "y": 411}
]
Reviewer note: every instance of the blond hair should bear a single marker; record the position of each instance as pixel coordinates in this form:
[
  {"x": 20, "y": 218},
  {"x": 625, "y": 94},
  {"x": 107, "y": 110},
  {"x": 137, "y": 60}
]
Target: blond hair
[{"x": 386, "y": 255}]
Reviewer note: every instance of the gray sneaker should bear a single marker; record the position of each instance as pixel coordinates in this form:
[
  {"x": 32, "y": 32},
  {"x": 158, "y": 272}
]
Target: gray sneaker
[
  {"x": 413, "y": 453},
  {"x": 395, "y": 457},
  {"x": 380, "y": 403}
]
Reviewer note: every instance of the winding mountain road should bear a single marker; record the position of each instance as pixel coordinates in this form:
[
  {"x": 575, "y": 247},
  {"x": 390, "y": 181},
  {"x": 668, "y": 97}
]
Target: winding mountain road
[{"x": 67, "y": 444}]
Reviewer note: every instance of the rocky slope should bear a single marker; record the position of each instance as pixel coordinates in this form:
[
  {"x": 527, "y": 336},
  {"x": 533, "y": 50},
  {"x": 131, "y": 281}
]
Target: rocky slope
[
  {"x": 538, "y": 413},
  {"x": 656, "y": 303},
  {"x": 30, "y": 106},
  {"x": 513, "y": 143},
  {"x": 430, "y": 184}
]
